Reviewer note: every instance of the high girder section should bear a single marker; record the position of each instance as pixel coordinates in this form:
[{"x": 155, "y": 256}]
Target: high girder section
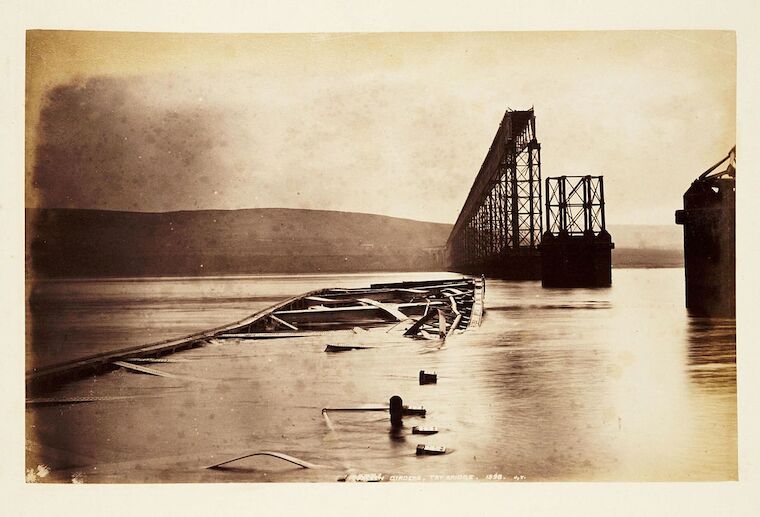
[{"x": 499, "y": 228}]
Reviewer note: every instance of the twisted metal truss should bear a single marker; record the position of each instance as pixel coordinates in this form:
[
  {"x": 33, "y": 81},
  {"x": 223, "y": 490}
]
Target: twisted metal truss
[{"x": 502, "y": 214}]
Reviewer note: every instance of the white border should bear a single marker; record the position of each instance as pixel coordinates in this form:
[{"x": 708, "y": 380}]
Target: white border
[{"x": 729, "y": 498}]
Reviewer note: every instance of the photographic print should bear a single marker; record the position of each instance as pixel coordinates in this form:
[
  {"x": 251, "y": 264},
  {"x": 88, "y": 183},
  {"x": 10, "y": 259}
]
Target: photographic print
[{"x": 380, "y": 257}]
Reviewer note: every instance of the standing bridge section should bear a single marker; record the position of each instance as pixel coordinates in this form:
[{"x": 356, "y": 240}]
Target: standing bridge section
[
  {"x": 498, "y": 231},
  {"x": 576, "y": 250}
]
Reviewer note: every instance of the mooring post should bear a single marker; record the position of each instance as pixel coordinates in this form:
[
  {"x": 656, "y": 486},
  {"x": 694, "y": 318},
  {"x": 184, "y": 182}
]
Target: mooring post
[{"x": 396, "y": 410}]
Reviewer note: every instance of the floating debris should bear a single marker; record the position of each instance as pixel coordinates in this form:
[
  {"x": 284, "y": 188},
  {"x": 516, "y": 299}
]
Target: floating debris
[
  {"x": 396, "y": 408},
  {"x": 282, "y": 323},
  {"x": 414, "y": 329},
  {"x": 358, "y": 408},
  {"x": 51, "y": 401},
  {"x": 411, "y": 305},
  {"x": 279, "y": 455},
  {"x": 377, "y": 305},
  {"x": 150, "y": 371},
  {"x": 156, "y": 360},
  {"x": 392, "y": 310},
  {"x": 428, "y": 378},
  {"x": 424, "y": 430},
  {"x": 345, "y": 348},
  {"x": 268, "y": 335},
  {"x": 142, "y": 369},
  {"x": 430, "y": 450},
  {"x": 416, "y": 411}
]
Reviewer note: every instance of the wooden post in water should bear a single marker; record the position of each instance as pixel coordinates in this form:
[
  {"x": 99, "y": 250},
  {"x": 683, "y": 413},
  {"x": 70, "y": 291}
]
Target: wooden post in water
[{"x": 396, "y": 410}]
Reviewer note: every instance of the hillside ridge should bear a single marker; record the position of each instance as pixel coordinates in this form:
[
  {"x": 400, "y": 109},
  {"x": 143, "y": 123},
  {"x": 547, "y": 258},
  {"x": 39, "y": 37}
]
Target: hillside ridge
[{"x": 64, "y": 242}]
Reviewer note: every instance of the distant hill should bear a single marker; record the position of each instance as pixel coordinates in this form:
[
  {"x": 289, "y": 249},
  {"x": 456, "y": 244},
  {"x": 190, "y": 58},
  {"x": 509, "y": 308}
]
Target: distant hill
[
  {"x": 647, "y": 236},
  {"x": 98, "y": 243},
  {"x": 95, "y": 243},
  {"x": 647, "y": 246}
]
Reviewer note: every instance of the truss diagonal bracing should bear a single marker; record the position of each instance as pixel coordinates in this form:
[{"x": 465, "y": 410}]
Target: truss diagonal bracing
[
  {"x": 576, "y": 250},
  {"x": 575, "y": 205},
  {"x": 499, "y": 228}
]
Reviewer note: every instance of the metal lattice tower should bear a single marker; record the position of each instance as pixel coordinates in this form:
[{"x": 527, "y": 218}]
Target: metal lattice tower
[
  {"x": 575, "y": 205},
  {"x": 576, "y": 250}
]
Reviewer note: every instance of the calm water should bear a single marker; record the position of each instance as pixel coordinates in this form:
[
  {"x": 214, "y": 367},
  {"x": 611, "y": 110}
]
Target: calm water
[{"x": 581, "y": 384}]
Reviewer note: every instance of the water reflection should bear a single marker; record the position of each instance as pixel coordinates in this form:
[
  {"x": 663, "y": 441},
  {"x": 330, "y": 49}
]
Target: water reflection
[
  {"x": 605, "y": 384},
  {"x": 712, "y": 353},
  {"x": 398, "y": 433}
]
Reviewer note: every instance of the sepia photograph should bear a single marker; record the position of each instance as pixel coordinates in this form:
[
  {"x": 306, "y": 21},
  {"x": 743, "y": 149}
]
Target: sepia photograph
[
  {"x": 373, "y": 257},
  {"x": 380, "y": 256}
]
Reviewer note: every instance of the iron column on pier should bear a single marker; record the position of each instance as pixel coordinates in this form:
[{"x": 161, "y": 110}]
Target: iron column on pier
[{"x": 576, "y": 250}]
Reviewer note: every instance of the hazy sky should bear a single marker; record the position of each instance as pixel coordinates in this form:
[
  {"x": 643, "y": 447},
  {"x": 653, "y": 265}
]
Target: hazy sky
[{"x": 394, "y": 124}]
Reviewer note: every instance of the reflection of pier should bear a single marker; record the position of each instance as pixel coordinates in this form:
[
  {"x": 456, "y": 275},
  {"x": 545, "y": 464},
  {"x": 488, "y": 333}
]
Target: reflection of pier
[
  {"x": 711, "y": 353},
  {"x": 499, "y": 230}
]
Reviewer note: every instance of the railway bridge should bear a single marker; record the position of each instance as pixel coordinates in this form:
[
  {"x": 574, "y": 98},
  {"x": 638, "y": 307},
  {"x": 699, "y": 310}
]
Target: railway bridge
[
  {"x": 500, "y": 231},
  {"x": 499, "y": 228}
]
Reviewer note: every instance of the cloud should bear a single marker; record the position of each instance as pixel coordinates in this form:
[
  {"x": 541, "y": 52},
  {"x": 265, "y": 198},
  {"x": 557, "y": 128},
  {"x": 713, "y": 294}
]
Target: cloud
[
  {"x": 382, "y": 123},
  {"x": 101, "y": 145}
]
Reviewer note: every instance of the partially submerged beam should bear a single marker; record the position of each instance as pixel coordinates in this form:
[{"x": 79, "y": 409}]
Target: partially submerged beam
[
  {"x": 269, "y": 335},
  {"x": 414, "y": 329},
  {"x": 281, "y": 322},
  {"x": 50, "y": 376},
  {"x": 52, "y": 401},
  {"x": 387, "y": 308},
  {"x": 150, "y": 371},
  {"x": 40, "y": 379},
  {"x": 441, "y": 324},
  {"x": 285, "y": 457},
  {"x": 476, "y": 313},
  {"x": 345, "y": 348}
]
